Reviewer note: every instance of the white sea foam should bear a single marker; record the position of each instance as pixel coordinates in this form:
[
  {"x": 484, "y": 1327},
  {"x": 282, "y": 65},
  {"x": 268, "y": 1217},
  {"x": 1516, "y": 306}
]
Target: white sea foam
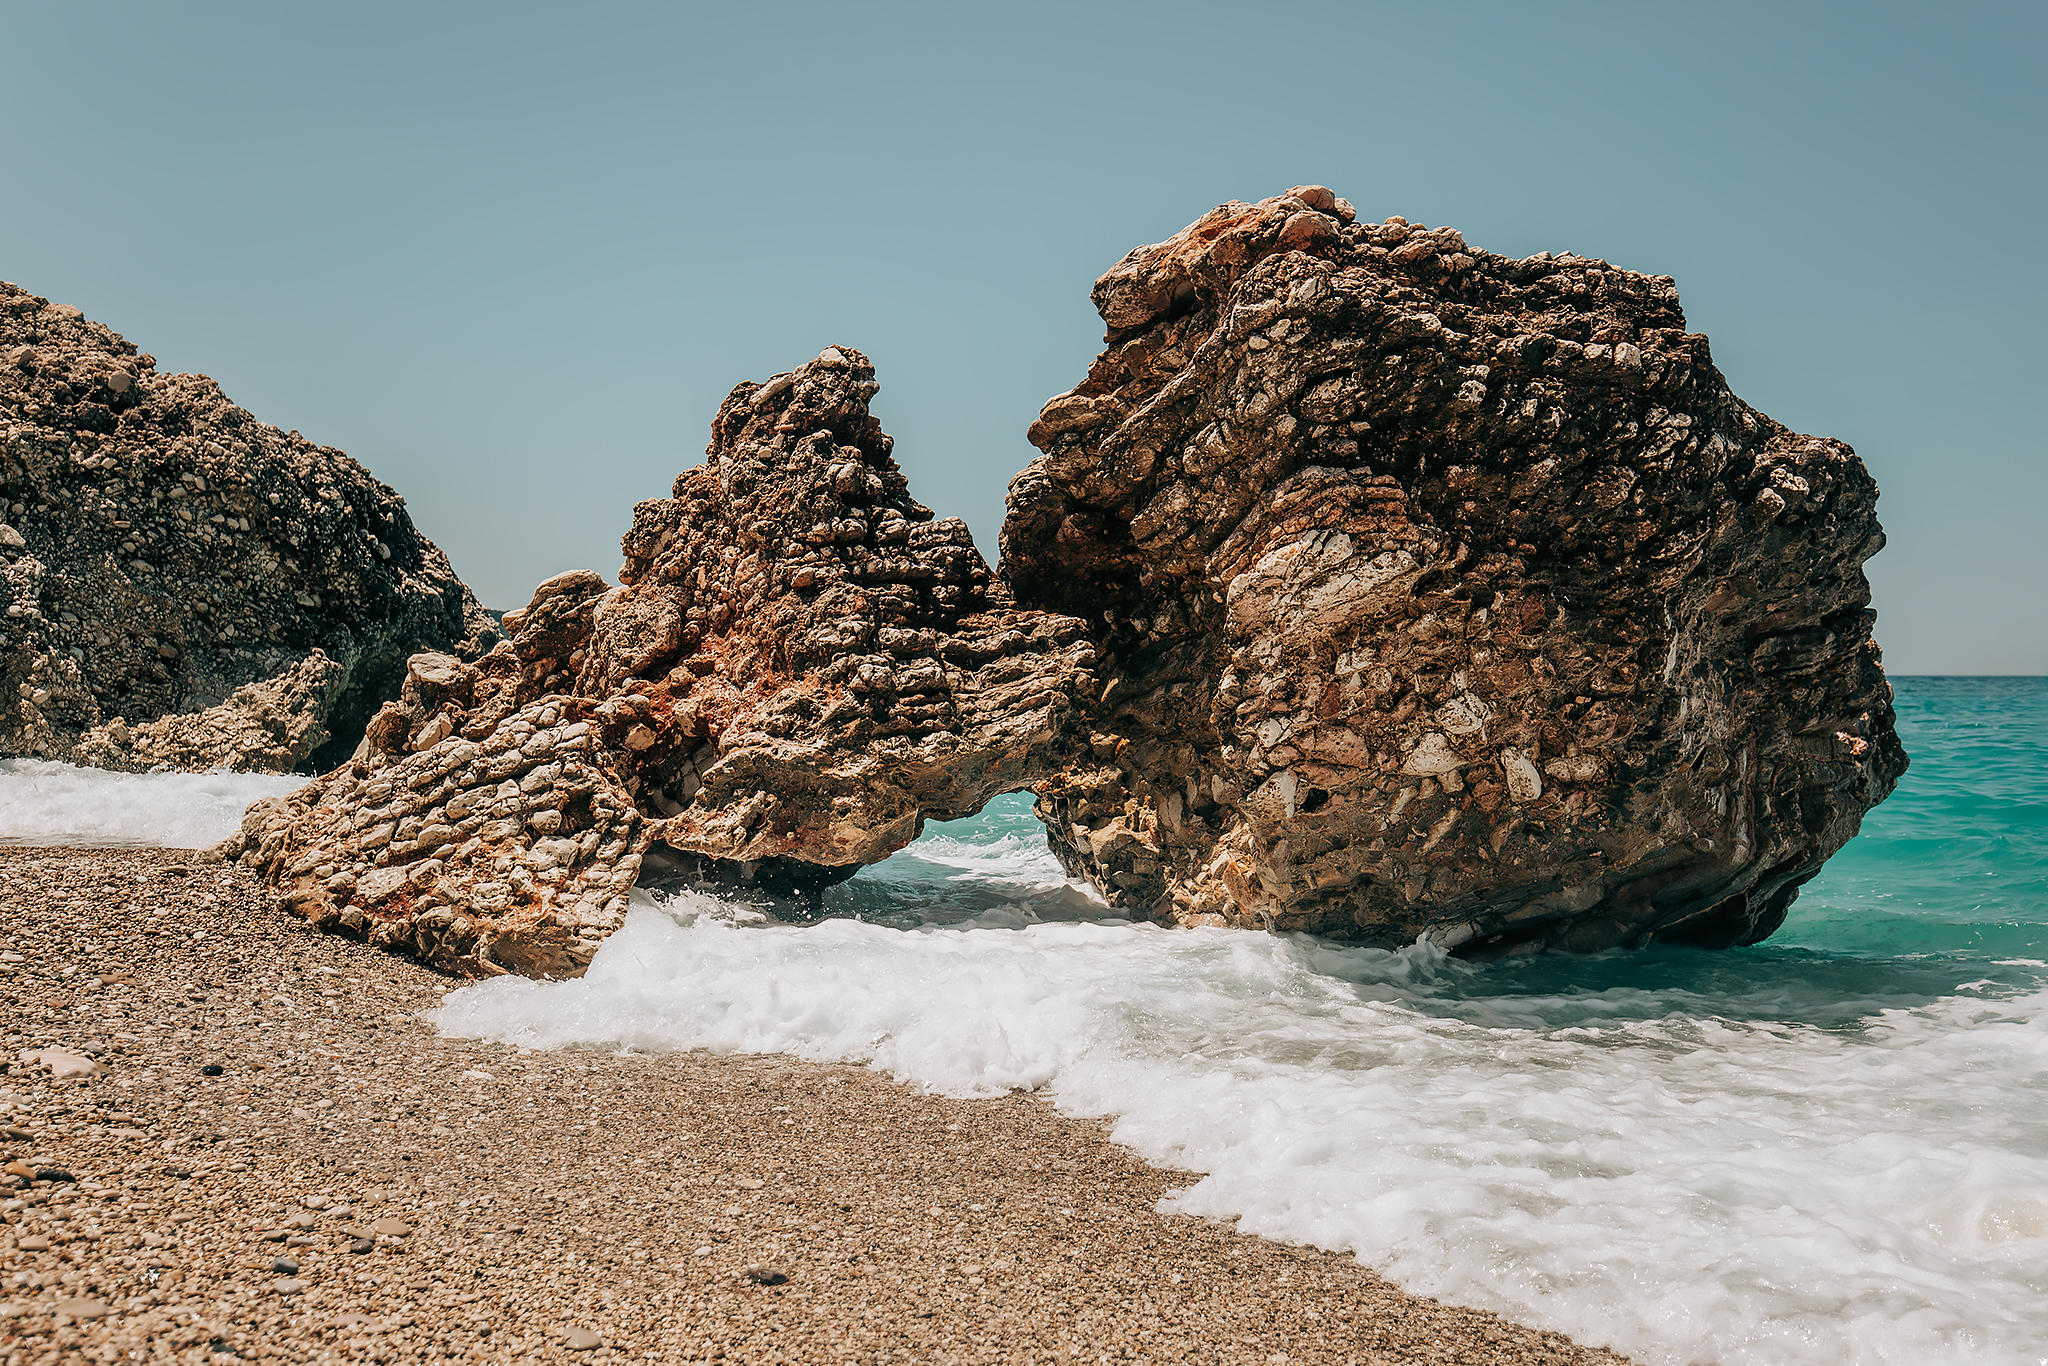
[
  {"x": 43, "y": 803},
  {"x": 1608, "y": 1163}
]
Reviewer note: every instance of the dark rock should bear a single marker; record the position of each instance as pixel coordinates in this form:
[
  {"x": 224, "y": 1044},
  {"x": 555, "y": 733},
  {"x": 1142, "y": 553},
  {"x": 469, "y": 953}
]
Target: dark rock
[
  {"x": 767, "y": 1275},
  {"x": 183, "y": 585},
  {"x": 1440, "y": 593}
]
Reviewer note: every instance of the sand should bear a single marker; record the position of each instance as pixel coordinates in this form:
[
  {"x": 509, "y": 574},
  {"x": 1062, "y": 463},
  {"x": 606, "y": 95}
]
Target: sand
[{"x": 351, "y": 1187}]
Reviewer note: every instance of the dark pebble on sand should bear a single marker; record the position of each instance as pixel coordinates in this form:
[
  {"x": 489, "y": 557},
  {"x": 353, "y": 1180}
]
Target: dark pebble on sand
[
  {"x": 285, "y": 1266},
  {"x": 212, "y": 1069},
  {"x": 362, "y": 1245},
  {"x": 766, "y": 1275}
]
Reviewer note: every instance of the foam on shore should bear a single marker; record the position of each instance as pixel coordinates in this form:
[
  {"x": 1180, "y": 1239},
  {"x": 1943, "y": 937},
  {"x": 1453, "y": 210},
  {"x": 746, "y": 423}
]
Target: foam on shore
[
  {"x": 44, "y": 803},
  {"x": 1602, "y": 1160}
]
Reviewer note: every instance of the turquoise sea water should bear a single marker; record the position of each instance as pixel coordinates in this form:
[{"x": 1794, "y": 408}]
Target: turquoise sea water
[
  {"x": 1956, "y": 862},
  {"x": 1946, "y": 881}
]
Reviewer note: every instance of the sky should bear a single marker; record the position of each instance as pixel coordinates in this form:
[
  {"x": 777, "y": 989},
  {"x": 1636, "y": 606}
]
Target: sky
[{"x": 510, "y": 257}]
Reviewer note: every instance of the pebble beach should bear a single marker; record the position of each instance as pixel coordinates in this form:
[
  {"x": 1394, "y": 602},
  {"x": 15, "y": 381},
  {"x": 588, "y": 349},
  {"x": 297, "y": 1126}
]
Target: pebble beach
[{"x": 228, "y": 1137}]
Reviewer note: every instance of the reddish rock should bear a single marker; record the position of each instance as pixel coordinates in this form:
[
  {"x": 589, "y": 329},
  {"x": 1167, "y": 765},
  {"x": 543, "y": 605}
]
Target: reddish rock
[{"x": 800, "y": 666}]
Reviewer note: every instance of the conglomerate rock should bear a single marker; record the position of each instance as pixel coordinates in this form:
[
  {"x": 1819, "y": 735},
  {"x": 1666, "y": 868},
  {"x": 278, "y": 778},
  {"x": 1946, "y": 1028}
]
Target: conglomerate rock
[
  {"x": 184, "y": 585},
  {"x": 826, "y": 666},
  {"x": 479, "y": 824},
  {"x": 799, "y": 667},
  {"x": 1444, "y": 593}
]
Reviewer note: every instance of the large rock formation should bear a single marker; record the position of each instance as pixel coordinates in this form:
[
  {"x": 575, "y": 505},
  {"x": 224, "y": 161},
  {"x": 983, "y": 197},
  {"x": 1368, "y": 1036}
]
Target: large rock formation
[
  {"x": 1444, "y": 593},
  {"x": 1370, "y": 585},
  {"x": 184, "y": 585},
  {"x": 799, "y": 667}
]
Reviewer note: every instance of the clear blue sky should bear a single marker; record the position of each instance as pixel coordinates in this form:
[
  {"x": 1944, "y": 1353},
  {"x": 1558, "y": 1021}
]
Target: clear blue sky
[{"x": 510, "y": 257}]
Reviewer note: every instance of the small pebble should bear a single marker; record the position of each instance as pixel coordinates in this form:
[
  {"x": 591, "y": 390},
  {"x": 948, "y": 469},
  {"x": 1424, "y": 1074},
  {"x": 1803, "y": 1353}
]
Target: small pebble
[
  {"x": 284, "y": 1266},
  {"x": 212, "y": 1069},
  {"x": 766, "y": 1275},
  {"x": 288, "y": 1287},
  {"x": 83, "y": 1309},
  {"x": 581, "y": 1340},
  {"x": 362, "y": 1245}
]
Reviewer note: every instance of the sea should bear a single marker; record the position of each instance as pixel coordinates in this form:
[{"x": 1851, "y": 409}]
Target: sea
[{"x": 1831, "y": 1147}]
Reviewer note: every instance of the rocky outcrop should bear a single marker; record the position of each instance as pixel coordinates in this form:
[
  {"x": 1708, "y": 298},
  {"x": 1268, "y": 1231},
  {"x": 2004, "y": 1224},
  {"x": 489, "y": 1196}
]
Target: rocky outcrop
[
  {"x": 184, "y": 585},
  {"x": 799, "y": 667},
  {"x": 802, "y": 665},
  {"x": 480, "y": 825},
  {"x": 1440, "y": 593}
]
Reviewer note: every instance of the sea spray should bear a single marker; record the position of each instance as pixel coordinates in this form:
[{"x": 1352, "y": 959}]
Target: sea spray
[
  {"x": 1830, "y": 1148},
  {"x": 45, "y": 803}
]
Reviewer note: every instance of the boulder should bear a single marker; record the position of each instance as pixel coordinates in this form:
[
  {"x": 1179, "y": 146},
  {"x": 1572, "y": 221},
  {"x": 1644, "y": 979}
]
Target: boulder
[
  {"x": 480, "y": 824},
  {"x": 1439, "y": 593},
  {"x": 799, "y": 667},
  {"x": 183, "y": 585}
]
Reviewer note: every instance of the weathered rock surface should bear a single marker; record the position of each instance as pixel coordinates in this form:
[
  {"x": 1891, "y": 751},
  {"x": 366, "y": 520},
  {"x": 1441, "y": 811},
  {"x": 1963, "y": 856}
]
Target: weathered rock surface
[
  {"x": 479, "y": 825},
  {"x": 799, "y": 667},
  {"x": 1444, "y": 593},
  {"x": 184, "y": 585}
]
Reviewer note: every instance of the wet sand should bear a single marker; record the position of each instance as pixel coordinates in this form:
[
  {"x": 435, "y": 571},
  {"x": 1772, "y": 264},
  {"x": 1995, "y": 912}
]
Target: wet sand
[{"x": 349, "y": 1186}]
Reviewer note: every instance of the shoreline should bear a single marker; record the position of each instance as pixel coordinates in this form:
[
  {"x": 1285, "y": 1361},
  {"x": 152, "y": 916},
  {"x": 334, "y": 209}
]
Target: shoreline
[{"x": 352, "y": 1186}]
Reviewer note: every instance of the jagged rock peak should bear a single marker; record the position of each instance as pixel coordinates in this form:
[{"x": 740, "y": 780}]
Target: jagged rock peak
[
  {"x": 185, "y": 585},
  {"x": 800, "y": 666},
  {"x": 1443, "y": 593}
]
